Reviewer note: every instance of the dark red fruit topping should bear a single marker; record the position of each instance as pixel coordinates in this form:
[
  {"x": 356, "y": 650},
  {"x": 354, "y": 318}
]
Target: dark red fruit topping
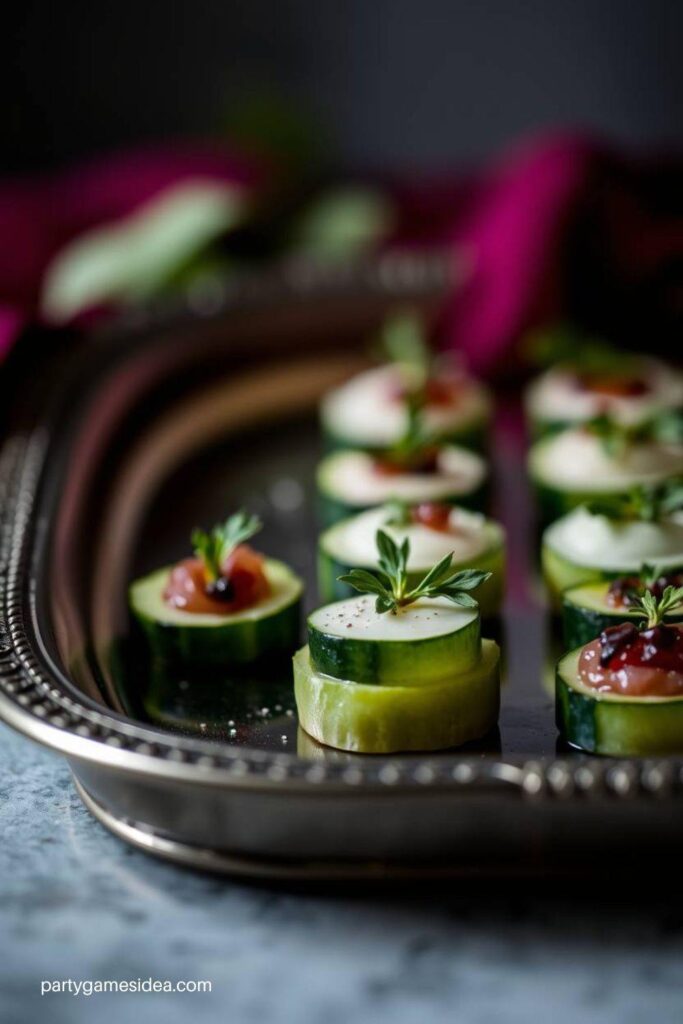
[
  {"x": 623, "y": 592},
  {"x": 432, "y": 514},
  {"x": 658, "y": 647}
]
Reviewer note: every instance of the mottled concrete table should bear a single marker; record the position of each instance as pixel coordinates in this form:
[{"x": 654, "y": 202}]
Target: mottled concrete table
[{"x": 77, "y": 903}]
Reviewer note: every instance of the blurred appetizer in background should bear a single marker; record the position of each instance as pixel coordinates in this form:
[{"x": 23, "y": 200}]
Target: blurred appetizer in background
[
  {"x": 399, "y": 667},
  {"x": 622, "y": 693},
  {"x": 370, "y": 412},
  {"x": 605, "y": 541},
  {"x": 590, "y": 378},
  {"x": 226, "y": 605},
  {"x": 433, "y": 529},
  {"x": 603, "y": 460},
  {"x": 414, "y": 470},
  {"x": 590, "y": 608}
]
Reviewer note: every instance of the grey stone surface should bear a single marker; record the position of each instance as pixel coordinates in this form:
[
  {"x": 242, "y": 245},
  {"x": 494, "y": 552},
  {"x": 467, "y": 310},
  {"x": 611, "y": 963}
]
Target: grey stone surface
[{"x": 77, "y": 903}]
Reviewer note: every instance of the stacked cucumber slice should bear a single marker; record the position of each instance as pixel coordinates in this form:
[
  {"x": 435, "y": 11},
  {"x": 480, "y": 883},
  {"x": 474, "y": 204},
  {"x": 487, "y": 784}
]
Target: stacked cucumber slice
[
  {"x": 383, "y": 718},
  {"x": 399, "y": 667}
]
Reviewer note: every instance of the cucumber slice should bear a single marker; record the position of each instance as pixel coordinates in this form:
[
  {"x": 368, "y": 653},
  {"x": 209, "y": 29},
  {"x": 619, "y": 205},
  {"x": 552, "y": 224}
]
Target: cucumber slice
[
  {"x": 479, "y": 544},
  {"x": 385, "y": 719},
  {"x": 607, "y": 723},
  {"x": 584, "y": 548},
  {"x": 572, "y": 467},
  {"x": 553, "y": 401},
  {"x": 429, "y": 640},
  {"x": 348, "y": 483},
  {"x": 585, "y": 613},
  {"x": 268, "y": 627},
  {"x": 364, "y": 414}
]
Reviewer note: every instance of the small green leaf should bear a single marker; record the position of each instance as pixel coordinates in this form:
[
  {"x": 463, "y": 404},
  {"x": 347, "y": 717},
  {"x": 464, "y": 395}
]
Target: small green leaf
[
  {"x": 654, "y": 609},
  {"x": 398, "y": 512},
  {"x": 390, "y": 583},
  {"x": 366, "y": 582},
  {"x": 459, "y": 597},
  {"x": 403, "y": 340},
  {"x": 216, "y": 546}
]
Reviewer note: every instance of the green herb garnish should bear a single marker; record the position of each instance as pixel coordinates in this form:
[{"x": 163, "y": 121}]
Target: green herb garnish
[
  {"x": 650, "y": 503},
  {"x": 390, "y": 584},
  {"x": 398, "y": 513},
  {"x": 654, "y": 609},
  {"x": 415, "y": 438},
  {"x": 403, "y": 341},
  {"x": 215, "y": 546}
]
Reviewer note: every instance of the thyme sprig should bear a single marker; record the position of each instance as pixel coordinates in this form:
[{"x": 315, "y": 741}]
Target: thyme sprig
[
  {"x": 390, "y": 584},
  {"x": 654, "y": 609},
  {"x": 403, "y": 341},
  {"x": 214, "y": 546},
  {"x": 649, "y": 503}
]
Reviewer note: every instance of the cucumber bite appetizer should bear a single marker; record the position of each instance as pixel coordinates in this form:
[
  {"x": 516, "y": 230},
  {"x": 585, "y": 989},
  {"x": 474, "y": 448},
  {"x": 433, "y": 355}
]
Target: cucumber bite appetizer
[
  {"x": 594, "y": 543},
  {"x": 414, "y": 470},
  {"x": 622, "y": 693},
  {"x": 589, "y": 609},
  {"x": 369, "y": 412},
  {"x": 602, "y": 460},
  {"x": 226, "y": 605},
  {"x": 399, "y": 667},
  {"x": 591, "y": 378},
  {"x": 433, "y": 529}
]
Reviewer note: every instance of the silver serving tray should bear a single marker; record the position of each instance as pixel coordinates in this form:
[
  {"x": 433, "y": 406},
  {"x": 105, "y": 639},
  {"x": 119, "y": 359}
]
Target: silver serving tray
[{"x": 115, "y": 450}]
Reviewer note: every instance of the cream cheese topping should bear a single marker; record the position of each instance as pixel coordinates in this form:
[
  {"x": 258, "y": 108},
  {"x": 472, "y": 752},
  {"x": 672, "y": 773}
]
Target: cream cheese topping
[{"x": 364, "y": 411}]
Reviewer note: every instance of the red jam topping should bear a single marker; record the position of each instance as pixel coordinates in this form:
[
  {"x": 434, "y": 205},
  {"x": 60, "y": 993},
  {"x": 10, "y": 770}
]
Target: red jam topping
[
  {"x": 242, "y": 584},
  {"x": 612, "y": 385},
  {"x": 623, "y": 591},
  {"x": 444, "y": 390},
  {"x": 423, "y": 461},
  {"x": 432, "y": 514},
  {"x": 635, "y": 664}
]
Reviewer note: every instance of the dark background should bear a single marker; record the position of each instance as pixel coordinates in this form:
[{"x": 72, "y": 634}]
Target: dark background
[{"x": 411, "y": 83}]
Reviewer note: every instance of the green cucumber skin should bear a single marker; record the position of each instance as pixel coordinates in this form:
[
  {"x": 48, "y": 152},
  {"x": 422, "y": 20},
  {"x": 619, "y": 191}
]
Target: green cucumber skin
[
  {"x": 378, "y": 720},
  {"x": 333, "y": 510},
  {"x": 617, "y": 729},
  {"x": 391, "y": 663},
  {"x": 233, "y": 644},
  {"x": 489, "y": 595},
  {"x": 581, "y": 625},
  {"x": 474, "y": 437}
]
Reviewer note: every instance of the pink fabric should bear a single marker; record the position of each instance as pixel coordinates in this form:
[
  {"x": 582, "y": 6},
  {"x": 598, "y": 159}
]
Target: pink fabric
[
  {"x": 517, "y": 223},
  {"x": 40, "y": 215},
  {"x": 561, "y": 229},
  {"x": 510, "y": 225}
]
